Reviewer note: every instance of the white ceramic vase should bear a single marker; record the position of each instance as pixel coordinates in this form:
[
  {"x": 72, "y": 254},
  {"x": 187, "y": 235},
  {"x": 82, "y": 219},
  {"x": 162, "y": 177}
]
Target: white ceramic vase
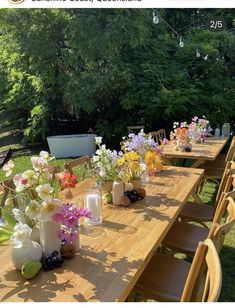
[
  {"x": 117, "y": 192},
  {"x": 29, "y": 250}
]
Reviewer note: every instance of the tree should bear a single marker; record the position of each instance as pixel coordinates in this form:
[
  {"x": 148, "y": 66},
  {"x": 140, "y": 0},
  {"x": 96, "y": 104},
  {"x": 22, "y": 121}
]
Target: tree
[{"x": 107, "y": 69}]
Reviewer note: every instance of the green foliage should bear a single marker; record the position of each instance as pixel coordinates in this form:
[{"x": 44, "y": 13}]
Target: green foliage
[
  {"x": 107, "y": 69},
  {"x": 9, "y": 217}
]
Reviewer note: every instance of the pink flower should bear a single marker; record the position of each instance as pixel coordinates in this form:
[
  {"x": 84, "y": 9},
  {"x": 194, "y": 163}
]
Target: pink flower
[
  {"x": 69, "y": 215},
  {"x": 165, "y": 141},
  {"x": 67, "y": 235}
]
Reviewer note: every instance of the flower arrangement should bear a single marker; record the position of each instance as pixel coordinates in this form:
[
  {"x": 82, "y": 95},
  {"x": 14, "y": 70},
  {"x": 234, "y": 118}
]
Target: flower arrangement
[
  {"x": 199, "y": 129},
  {"x": 105, "y": 163},
  {"x": 69, "y": 216},
  {"x": 37, "y": 183},
  {"x": 182, "y": 136},
  {"x": 130, "y": 166},
  {"x": 149, "y": 151},
  {"x": 140, "y": 143},
  {"x": 41, "y": 208}
]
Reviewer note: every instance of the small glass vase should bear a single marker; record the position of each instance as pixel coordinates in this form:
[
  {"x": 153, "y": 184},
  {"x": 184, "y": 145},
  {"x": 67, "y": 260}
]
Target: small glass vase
[
  {"x": 49, "y": 236},
  {"x": 92, "y": 202}
]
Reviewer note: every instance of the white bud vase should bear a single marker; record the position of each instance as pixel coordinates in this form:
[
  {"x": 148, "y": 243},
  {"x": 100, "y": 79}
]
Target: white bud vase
[
  {"x": 48, "y": 237},
  {"x": 117, "y": 192}
]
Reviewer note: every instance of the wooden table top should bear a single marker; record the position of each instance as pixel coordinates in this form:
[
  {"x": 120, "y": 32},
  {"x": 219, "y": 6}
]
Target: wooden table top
[
  {"x": 209, "y": 150},
  {"x": 114, "y": 254}
]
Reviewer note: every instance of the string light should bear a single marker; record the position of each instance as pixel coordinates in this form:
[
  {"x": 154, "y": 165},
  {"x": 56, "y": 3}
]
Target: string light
[
  {"x": 181, "y": 44},
  {"x": 156, "y": 20}
]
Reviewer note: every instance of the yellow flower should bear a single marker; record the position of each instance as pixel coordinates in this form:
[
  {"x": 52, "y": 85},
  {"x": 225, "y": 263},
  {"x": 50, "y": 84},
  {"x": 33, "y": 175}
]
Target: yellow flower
[
  {"x": 153, "y": 161},
  {"x": 132, "y": 156},
  {"x": 134, "y": 166},
  {"x": 121, "y": 161}
]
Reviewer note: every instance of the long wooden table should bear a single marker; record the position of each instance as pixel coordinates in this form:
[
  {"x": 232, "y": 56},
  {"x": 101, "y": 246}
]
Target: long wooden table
[
  {"x": 209, "y": 150},
  {"x": 114, "y": 254}
]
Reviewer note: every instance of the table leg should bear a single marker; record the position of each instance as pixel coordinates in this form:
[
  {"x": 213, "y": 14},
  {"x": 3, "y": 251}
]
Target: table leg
[
  {"x": 167, "y": 161},
  {"x": 197, "y": 163}
]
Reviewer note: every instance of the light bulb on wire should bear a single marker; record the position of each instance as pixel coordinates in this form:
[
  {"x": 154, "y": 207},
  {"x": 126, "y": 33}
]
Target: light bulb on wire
[
  {"x": 181, "y": 44},
  {"x": 156, "y": 18}
]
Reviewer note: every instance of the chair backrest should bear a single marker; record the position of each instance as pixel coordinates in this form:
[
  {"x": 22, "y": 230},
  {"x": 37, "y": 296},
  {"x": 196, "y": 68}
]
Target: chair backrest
[
  {"x": 54, "y": 170},
  {"x": 84, "y": 160},
  {"x": 219, "y": 229},
  {"x": 204, "y": 280},
  {"x": 134, "y": 129},
  {"x": 228, "y": 186},
  {"x": 226, "y": 181},
  {"x": 231, "y": 151},
  {"x": 8, "y": 188},
  {"x": 159, "y": 135}
]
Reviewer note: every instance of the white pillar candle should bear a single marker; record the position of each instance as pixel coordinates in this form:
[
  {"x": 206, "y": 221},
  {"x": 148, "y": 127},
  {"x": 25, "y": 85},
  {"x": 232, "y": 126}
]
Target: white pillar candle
[
  {"x": 93, "y": 204},
  {"x": 48, "y": 236}
]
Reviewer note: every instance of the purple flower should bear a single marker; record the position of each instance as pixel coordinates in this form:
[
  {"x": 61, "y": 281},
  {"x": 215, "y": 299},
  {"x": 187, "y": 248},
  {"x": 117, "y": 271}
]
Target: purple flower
[
  {"x": 69, "y": 215},
  {"x": 67, "y": 235}
]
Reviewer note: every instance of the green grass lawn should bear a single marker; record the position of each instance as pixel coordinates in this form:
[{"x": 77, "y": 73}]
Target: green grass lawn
[{"x": 208, "y": 193}]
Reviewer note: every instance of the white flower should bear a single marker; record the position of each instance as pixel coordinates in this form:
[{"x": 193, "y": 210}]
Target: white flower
[
  {"x": 20, "y": 182},
  {"x": 98, "y": 140},
  {"x": 46, "y": 175},
  {"x": 8, "y": 167},
  {"x": 21, "y": 233},
  {"x": 49, "y": 208},
  {"x": 45, "y": 155},
  {"x": 102, "y": 173},
  {"x": 39, "y": 163},
  {"x": 33, "y": 210},
  {"x": 143, "y": 167},
  {"x": 30, "y": 176},
  {"x": 18, "y": 216},
  {"x": 95, "y": 159},
  {"x": 8, "y": 201},
  {"x": 44, "y": 191}
]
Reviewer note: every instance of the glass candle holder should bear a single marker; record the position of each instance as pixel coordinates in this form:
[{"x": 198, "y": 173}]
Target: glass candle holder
[{"x": 92, "y": 202}]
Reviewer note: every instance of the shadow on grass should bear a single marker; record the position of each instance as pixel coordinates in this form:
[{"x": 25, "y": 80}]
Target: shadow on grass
[{"x": 227, "y": 259}]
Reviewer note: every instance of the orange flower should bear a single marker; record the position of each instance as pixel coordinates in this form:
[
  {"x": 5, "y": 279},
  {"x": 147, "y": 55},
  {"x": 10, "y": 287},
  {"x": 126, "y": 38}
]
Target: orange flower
[{"x": 153, "y": 161}]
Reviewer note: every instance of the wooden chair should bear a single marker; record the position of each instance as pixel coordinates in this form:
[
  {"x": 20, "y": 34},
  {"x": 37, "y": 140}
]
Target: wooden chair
[
  {"x": 214, "y": 169},
  {"x": 53, "y": 170},
  {"x": 168, "y": 279},
  {"x": 134, "y": 129},
  {"x": 84, "y": 160},
  {"x": 183, "y": 237},
  {"x": 159, "y": 135},
  {"x": 202, "y": 213},
  {"x": 8, "y": 188}
]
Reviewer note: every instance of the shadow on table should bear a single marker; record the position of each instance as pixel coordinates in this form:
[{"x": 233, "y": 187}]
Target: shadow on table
[
  {"x": 30, "y": 290},
  {"x": 111, "y": 274}
]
